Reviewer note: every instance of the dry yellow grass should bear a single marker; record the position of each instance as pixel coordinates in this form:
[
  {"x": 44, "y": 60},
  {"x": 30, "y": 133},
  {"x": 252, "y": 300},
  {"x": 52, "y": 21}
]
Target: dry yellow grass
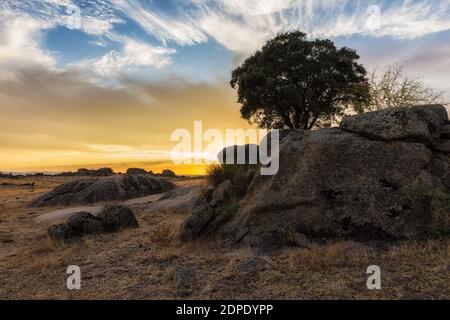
[{"x": 142, "y": 263}]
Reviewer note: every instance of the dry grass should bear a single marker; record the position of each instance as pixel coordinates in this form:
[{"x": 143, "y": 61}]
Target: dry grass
[{"x": 140, "y": 263}]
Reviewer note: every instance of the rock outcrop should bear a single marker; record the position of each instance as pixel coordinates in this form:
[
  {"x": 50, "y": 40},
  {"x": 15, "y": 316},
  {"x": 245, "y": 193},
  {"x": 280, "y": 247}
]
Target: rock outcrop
[
  {"x": 346, "y": 182},
  {"x": 112, "y": 219},
  {"x": 137, "y": 171},
  {"x": 114, "y": 188},
  {"x": 102, "y": 172},
  {"x": 168, "y": 174}
]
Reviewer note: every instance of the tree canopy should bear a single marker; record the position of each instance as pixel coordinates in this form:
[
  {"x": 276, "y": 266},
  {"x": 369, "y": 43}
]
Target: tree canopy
[{"x": 293, "y": 82}]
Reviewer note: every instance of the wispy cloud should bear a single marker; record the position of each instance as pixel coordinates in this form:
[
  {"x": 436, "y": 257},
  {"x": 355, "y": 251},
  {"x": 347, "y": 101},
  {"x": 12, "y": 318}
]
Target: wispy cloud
[
  {"x": 242, "y": 26},
  {"x": 134, "y": 54}
]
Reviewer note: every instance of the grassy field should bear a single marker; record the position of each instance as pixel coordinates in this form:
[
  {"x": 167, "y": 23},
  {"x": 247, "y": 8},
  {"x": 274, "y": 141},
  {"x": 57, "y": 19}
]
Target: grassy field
[{"x": 150, "y": 263}]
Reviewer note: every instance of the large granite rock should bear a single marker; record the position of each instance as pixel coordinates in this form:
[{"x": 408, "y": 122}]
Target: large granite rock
[
  {"x": 421, "y": 124},
  {"x": 92, "y": 190},
  {"x": 341, "y": 182}
]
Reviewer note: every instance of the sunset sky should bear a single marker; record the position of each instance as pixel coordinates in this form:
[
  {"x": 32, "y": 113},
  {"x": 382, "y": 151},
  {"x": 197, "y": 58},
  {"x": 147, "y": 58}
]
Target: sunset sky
[{"x": 94, "y": 83}]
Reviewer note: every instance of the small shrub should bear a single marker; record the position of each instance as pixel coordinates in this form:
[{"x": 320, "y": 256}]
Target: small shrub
[
  {"x": 237, "y": 174},
  {"x": 437, "y": 198},
  {"x": 161, "y": 235},
  {"x": 228, "y": 210}
]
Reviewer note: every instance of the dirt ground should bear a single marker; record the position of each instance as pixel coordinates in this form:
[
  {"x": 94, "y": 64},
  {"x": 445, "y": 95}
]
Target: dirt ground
[{"x": 150, "y": 263}]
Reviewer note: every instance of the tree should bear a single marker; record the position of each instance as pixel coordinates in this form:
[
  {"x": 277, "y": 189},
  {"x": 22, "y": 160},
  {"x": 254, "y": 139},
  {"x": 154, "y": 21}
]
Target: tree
[
  {"x": 395, "y": 89},
  {"x": 300, "y": 84}
]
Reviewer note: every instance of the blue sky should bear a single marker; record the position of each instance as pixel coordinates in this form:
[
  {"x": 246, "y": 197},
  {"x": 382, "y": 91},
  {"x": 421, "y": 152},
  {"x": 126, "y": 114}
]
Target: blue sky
[
  {"x": 201, "y": 40},
  {"x": 95, "y": 82}
]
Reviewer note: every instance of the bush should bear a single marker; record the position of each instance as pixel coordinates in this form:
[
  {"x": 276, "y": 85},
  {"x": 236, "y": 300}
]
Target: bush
[
  {"x": 162, "y": 235},
  {"x": 438, "y": 199},
  {"x": 239, "y": 175}
]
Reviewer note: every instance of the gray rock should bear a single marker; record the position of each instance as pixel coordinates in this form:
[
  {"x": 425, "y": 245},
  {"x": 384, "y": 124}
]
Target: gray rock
[
  {"x": 62, "y": 233},
  {"x": 445, "y": 132},
  {"x": 104, "y": 172},
  {"x": 84, "y": 223},
  {"x": 196, "y": 224},
  {"x": 118, "y": 217},
  {"x": 419, "y": 124},
  {"x": 333, "y": 183},
  {"x": 92, "y": 190},
  {"x": 178, "y": 201},
  {"x": 112, "y": 219},
  {"x": 136, "y": 171},
  {"x": 168, "y": 174},
  {"x": 222, "y": 191},
  {"x": 443, "y": 146}
]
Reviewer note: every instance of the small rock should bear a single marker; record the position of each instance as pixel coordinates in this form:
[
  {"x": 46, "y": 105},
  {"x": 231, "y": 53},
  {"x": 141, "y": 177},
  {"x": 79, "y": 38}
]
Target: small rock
[
  {"x": 62, "y": 233},
  {"x": 118, "y": 217},
  {"x": 84, "y": 223}
]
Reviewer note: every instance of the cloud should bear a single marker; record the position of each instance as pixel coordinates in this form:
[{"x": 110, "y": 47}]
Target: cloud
[
  {"x": 178, "y": 28},
  {"x": 134, "y": 54},
  {"x": 242, "y": 26},
  {"x": 20, "y": 44},
  {"x": 92, "y": 17}
]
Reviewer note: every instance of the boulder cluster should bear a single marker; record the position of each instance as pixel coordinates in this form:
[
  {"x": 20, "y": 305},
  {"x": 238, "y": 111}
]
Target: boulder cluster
[{"x": 112, "y": 219}]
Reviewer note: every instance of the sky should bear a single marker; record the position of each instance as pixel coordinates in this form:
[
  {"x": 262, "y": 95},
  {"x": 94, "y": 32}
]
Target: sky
[{"x": 92, "y": 83}]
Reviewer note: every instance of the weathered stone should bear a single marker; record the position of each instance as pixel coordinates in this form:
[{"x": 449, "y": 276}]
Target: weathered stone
[
  {"x": 112, "y": 219},
  {"x": 136, "y": 171},
  {"x": 195, "y": 224},
  {"x": 418, "y": 124},
  {"x": 62, "y": 233},
  {"x": 443, "y": 146},
  {"x": 178, "y": 201},
  {"x": 342, "y": 183},
  {"x": 92, "y": 190},
  {"x": 222, "y": 190},
  {"x": 118, "y": 217},
  {"x": 104, "y": 172},
  {"x": 445, "y": 132},
  {"x": 84, "y": 223}
]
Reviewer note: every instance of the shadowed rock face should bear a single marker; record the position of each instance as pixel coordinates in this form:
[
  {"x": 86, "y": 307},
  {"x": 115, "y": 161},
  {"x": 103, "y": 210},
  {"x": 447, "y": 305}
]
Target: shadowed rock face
[
  {"x": 345, "y": 182},
  {"x": 92, "y": 190},
  {"x": 137, "y": 171},
  {"x": 112, "y": 219}
]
